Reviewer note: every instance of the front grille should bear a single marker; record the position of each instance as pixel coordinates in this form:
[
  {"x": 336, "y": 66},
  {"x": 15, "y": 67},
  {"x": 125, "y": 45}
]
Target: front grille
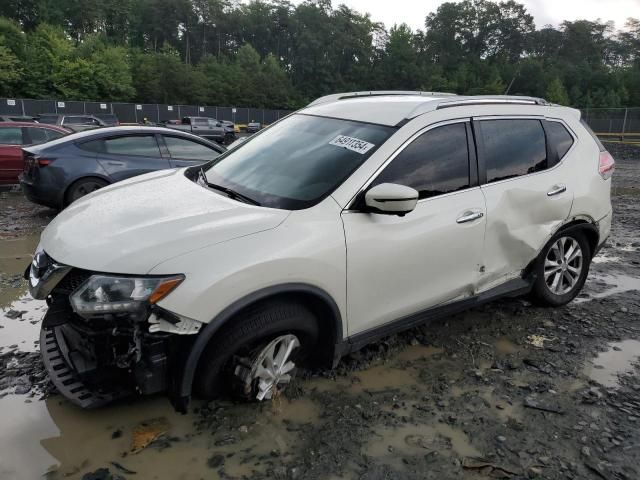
[{"x": 71, "y": 281}]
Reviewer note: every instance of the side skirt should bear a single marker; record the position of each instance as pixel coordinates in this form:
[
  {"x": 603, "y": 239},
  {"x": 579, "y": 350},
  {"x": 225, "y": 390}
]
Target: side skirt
[{"x": 512, "y": 288}]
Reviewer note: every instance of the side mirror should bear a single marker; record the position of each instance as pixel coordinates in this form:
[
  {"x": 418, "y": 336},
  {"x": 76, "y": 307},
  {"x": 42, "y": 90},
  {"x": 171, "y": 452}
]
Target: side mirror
[{"x": 391, "y": 199}]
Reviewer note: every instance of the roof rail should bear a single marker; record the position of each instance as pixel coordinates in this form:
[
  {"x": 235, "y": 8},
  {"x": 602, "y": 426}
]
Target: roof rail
[
  {"x": 492, "y": 100},
  {"x": 374, "y": 93}
]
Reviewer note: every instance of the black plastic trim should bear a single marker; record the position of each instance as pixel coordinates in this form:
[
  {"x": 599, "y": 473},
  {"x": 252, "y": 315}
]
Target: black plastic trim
[
  {"x": 480, "y": 152},
  {"x": 54, "y": 352},
  {"x": 474, "y": 179},
  {"x": 516, "y": 287}
]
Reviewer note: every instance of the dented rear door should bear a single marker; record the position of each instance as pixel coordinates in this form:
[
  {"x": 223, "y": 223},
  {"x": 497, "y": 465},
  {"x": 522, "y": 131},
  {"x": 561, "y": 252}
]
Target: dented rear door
[{"x": 527, "y": 197}]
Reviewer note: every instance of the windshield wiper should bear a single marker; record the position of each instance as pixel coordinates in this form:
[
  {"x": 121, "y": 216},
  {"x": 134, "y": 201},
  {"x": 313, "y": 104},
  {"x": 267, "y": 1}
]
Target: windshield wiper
[{"x": 202, "y": 180}]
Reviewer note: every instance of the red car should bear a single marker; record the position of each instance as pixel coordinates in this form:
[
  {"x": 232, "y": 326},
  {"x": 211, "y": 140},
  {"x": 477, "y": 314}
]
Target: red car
[{"x": 15, "y": 135}]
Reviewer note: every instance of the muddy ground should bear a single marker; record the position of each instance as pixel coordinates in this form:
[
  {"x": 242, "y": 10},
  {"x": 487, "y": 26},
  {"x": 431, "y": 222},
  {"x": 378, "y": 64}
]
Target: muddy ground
[{"x": 508, "y": 390}]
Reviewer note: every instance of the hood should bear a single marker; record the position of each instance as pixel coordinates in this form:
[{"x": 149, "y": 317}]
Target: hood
[{"x": 132, "y": 226}]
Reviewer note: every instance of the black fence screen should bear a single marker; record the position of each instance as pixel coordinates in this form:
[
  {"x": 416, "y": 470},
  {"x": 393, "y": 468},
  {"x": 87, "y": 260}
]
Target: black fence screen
[{"x": 138, "y": 113}]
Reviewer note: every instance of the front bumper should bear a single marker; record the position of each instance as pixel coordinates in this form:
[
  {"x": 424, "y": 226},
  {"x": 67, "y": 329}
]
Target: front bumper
[
  {"x": 95, "y": 361},
  {"x": 66, "y": 380}
]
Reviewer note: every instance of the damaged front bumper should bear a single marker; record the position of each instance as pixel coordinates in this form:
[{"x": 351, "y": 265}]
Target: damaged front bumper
[{"x": 95, "y": 360}]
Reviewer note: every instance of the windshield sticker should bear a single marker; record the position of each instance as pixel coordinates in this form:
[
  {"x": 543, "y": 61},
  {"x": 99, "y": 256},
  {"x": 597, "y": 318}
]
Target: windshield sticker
[{"x": 353, "y": 144}]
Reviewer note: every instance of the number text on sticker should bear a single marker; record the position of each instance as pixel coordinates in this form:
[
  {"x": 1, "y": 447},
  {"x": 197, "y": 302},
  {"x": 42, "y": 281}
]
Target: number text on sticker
[{"x": 353, "y": 144}]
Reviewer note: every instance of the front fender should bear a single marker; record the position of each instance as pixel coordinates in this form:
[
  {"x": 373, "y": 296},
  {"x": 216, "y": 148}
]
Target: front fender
[{"x": 184, "y": 381}]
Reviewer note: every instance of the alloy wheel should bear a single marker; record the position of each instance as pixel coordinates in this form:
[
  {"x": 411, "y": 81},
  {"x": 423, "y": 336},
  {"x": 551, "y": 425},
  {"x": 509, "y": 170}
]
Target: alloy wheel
[
  {"x": 85, "y": 189},
  {"x": 271, "y": 368},
  {"x": 563, "y": 265}
]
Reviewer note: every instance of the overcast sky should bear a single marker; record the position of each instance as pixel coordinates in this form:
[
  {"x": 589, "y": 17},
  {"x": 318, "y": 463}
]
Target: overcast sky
[{"x": 413, "y": 12}]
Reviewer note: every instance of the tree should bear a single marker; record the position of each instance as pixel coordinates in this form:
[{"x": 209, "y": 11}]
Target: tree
[
  {"x": 10, "y": 71},
  {"x": 556, "y": 93},
  {"x": 273, "y": 53},
  {"x": 46, "y": 49}
]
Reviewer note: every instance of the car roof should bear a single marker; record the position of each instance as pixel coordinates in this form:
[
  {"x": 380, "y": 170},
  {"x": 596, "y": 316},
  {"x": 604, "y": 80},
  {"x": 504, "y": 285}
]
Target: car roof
[
  {"x": 33, "y": 125},
  {"x": 108, "y": 131},
  {"x": 394, "y": 108}
]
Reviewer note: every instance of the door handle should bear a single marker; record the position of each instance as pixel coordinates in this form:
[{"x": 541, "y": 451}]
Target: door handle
[
  {"x": 557, "y": 190},
  {"x": 469, "y": 217},
  {"x": 115, "y": 164}
]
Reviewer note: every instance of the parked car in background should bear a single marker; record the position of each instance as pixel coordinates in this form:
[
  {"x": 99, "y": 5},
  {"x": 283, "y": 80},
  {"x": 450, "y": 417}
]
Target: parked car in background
[
  {"x": 15, "y": 135},
  {"x": 253, "y": 127},
  {"x": 205, "y": 127},
  {"x": 359, "y": 216},
  {"x": 17, "y": 118},
  {"x": 232, "y": 127},
  {"x": 77, "y": 123},
  {"x": 64, "y": 170},
  {"x": 109, "y": 119}
]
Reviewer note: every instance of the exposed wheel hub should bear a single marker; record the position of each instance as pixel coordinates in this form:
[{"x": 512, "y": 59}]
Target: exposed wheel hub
[{"x": 270, "y": 369}]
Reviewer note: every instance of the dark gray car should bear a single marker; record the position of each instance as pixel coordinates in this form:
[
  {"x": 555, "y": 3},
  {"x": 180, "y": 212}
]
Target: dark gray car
[
  {"x": 206, "y": 127},
  {"x": 59, "y": 172},
  {"x": 76, "y": 123}
]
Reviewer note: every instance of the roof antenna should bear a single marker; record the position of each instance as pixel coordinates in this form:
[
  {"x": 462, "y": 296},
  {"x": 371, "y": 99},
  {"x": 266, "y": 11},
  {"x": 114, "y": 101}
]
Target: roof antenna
[{"x": 512, "y": 80}]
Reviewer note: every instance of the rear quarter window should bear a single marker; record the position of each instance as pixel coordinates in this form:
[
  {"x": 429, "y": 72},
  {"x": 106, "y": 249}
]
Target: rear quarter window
[{"x": 559, "y": 139}]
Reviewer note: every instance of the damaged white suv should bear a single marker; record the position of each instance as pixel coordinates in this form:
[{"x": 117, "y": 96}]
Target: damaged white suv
[{"x": 356, "y": 217}]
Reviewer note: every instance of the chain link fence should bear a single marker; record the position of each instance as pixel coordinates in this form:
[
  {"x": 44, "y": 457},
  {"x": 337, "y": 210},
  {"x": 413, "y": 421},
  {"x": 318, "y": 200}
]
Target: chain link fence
[
  {"x": 138, "y": 112},
  {"x": 614, "y": 124}
]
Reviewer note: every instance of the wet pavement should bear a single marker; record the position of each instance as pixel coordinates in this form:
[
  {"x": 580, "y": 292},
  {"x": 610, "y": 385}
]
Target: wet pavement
[{"x": 507, "y": 390}]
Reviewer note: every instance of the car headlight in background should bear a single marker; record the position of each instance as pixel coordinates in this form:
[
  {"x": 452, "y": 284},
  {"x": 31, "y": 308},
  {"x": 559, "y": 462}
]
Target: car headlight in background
[{"x": 102, "y": 294}]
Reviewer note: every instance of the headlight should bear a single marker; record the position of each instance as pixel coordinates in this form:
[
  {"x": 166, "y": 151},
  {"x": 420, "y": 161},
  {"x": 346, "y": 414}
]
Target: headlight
[{"x": 102, "y": 294}]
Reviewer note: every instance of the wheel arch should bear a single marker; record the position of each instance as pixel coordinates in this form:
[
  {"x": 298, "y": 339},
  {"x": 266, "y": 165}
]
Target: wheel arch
[
  {"x": 586, "y": 224},
  {"x": 317, "y": 299},
  {"x": 75, "y": 181}
]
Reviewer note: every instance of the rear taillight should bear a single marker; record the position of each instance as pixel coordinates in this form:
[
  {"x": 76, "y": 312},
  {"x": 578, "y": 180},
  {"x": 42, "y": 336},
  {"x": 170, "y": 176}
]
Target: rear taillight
[
  {"x": 43, "y": 162},
  {"x": 606, "y": 165}
]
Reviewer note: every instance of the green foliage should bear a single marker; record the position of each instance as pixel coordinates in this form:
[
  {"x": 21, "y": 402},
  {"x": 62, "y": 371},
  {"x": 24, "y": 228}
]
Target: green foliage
[
  {"x": 556, "y": 93},
  {"x": 10, "y": 71},
  {"x": 274, "y": 54}
]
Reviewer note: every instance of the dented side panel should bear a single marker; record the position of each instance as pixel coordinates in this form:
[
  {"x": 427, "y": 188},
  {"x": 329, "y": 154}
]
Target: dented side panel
[
  {"x": 520, "y": 220},
  {"x": 522, "y": 215}
]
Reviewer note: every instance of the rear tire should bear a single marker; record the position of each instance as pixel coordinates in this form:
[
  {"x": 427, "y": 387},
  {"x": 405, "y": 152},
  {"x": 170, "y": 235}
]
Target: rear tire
[
  {"x": 243, "y": 342},
  {"x": 83, "y": 187},
  {"x": 561, "y": 269}
]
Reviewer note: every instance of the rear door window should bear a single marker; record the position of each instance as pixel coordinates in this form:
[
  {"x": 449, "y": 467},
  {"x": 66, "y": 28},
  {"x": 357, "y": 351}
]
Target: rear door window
[
  {"x": 435, "y": 163},
  {"x": 11, "y": 136},
  {"x": 188, "y": 150},
  {"x": 52, "y": 134},
  {"x": 513, "y": 147},
  {"x": 138, "y": 145},
  {"x": 37, "y": 135}
]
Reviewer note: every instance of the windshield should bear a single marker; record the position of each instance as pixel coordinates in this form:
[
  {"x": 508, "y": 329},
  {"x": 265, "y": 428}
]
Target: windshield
[{"x": 298, "y": 161}]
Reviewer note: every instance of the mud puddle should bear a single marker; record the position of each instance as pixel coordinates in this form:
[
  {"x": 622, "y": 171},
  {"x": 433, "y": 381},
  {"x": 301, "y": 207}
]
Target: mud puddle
[
  {"x": 61, "y": 441},
  {"x": 617, "y": 360},
  {"x": 602, "y": 285},
  {"x": 19, "y": 313}
]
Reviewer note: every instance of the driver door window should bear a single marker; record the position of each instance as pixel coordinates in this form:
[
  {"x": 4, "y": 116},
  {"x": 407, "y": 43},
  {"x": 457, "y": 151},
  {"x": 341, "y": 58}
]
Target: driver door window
[{"x": 435, "y": 163}]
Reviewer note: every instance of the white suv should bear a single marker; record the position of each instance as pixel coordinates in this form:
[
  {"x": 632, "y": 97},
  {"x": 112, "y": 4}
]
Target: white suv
[{"x": 356, "y": 217}]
